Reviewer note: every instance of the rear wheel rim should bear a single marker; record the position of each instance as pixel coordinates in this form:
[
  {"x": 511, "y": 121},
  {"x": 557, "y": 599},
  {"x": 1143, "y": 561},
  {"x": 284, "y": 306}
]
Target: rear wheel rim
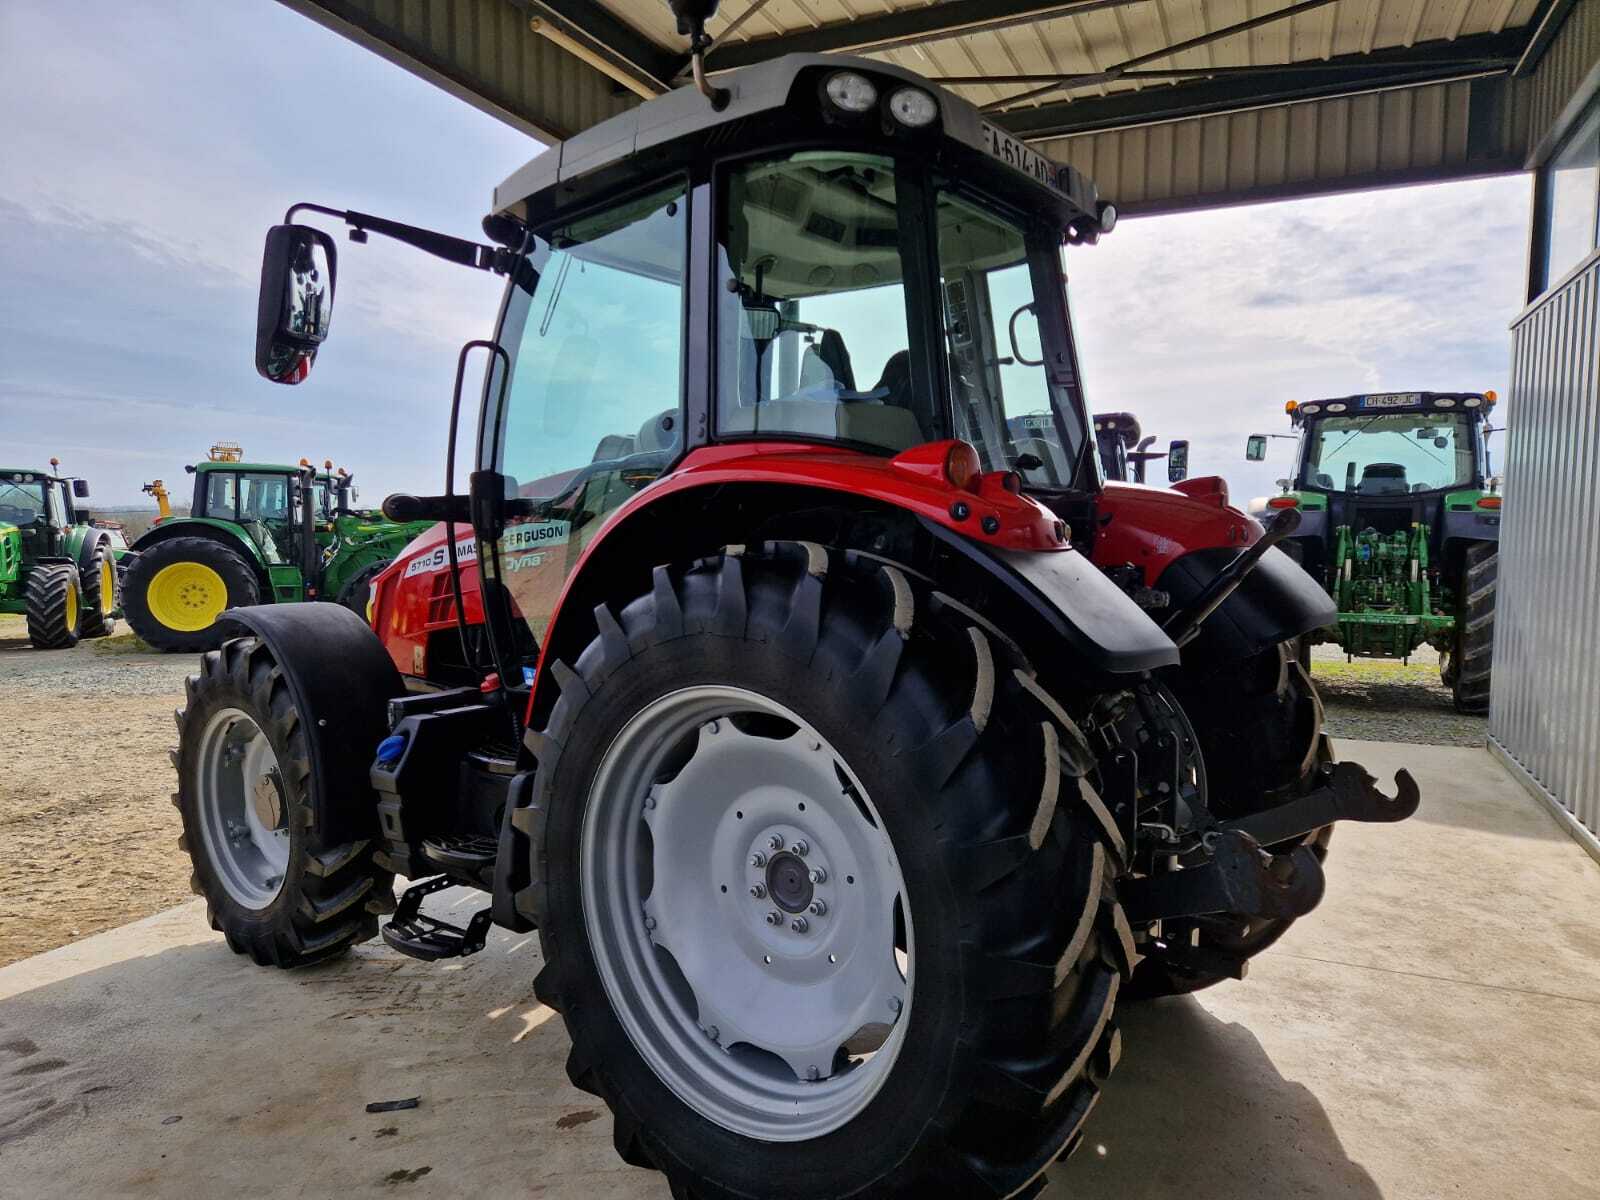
[
  {"x": 242, "y": 808},
  {"x": 747, "y": 913},
  {"x": 186, "y": 596}
]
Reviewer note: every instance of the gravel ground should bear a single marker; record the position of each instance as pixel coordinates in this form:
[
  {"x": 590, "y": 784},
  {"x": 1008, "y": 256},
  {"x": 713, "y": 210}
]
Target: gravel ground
[
  {"x": 1381, "y": 700},
  {"x": 85, "y": 784},
  {"x": 89, "y": 830}
]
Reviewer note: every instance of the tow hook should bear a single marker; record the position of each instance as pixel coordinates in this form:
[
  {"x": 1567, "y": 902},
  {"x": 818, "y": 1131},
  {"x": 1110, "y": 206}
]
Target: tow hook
[
  {"x": 1350, "y": 794},
  {"x": 1240, "y": 877}
]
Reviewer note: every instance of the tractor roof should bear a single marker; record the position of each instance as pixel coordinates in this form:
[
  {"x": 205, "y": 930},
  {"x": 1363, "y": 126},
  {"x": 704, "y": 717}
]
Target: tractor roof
[
  {"x": 681, "y": 124},
  {"x": 271, "y": 468},
  {"x": 1401, "y": 402}
]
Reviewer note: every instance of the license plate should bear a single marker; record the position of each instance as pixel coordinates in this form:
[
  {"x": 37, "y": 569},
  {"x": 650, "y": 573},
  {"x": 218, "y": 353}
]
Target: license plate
[
  {"x": 1392, "y": 400},
  {"x": 1014, "y": 154}
]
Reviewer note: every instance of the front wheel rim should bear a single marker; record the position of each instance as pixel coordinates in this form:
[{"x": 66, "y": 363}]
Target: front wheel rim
[
  {"x": 242, "y": 808},
  {"x": 747, "y": 913}
]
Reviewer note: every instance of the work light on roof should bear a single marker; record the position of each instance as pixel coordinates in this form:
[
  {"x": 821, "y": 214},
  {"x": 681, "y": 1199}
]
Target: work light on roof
[
  {"x": 1471, "y": 402},
  {"x": 912, "y": 107},
  {"x": 1336, "y": 407},
  {"x": 852, "y": 92},
  {"x": 1311, "y": 409},
  {"x": 1443, "y": 402}
]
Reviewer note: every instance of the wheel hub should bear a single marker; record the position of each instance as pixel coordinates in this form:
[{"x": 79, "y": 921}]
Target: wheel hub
[
  {"x": 242, "y": 808},
  {"x": 747, "y": 930}
]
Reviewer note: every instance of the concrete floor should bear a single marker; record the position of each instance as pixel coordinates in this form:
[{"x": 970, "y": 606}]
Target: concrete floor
[{"x": 1432, "y": 1031}]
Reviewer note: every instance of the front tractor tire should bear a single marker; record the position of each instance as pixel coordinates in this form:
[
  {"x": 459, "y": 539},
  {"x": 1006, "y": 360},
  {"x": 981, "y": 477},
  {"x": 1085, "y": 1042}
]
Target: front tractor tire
[
  {"x": 824, "y": 897},
  {"x": 176, "y": 590},
  {"x": 279, "y": 884},
  {"x": 102, "y": 590},
  {"x": 1472, "y": 659},
  {"x": 1259, "y": 725},
  {"x": 54, "y": 602}
]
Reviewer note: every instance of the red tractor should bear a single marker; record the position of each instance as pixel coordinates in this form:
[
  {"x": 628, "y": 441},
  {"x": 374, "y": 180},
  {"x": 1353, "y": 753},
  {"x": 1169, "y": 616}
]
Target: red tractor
[{"x": 852, "y": 757}]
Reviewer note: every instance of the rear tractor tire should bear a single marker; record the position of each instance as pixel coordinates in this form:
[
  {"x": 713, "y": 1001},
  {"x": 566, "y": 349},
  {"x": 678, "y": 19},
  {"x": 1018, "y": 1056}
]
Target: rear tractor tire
[
  {"x": 821, "y": 886},
  {"x": 277, "y": 886},
  {"x": 102, "y": 593},
  {"x": 1472, "y": 659},
  {"x": 176, "y": 590},
  {"x": 54, "y": 605}
]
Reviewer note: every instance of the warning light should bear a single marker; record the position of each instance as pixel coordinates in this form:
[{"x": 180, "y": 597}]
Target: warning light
[
  {"x": 1284, "y": 502},
  {"x": 1491, "y": 397},
  {"x": 1290, "y": 406},
  {"x": 1488, "y": 501}
]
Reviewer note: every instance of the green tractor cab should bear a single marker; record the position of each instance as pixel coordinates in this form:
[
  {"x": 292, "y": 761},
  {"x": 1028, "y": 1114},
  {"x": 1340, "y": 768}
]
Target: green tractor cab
[
  {"x": 58, "y": 568},
  {"x": 256, "y": 533},
  {"x": 1400, "y": 519}
]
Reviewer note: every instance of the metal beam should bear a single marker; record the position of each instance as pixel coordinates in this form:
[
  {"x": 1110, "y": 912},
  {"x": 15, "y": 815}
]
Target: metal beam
[
  {"x": 1432, "y": 62},
  {"x": 619, "y": 47},
  {"x": 1113, "y": 72},
  {"x": 931, "y": 23}
]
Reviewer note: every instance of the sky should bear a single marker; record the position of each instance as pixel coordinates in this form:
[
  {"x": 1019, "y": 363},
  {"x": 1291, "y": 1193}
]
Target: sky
[{"x": 147, "y": 148}]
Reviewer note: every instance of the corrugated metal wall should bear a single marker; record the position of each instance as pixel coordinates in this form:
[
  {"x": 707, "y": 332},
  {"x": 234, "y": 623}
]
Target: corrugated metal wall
[
  {"x": 1408, "y": 135},
  {"x": 1572, "y": 55},
  {"x": 1546, "y": 702}
]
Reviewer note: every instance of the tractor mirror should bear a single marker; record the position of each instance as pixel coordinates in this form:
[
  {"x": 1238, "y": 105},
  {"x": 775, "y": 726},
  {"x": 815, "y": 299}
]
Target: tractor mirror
[
  {"x": 295, "y": 308},
  {"x": 1177, "y": 461},
  {"x": 80, "y": 489},
  {"x": 1255, "y": 447}
]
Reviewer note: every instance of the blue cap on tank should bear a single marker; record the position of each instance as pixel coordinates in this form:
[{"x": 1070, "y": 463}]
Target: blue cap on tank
[{"x": 391, "y": 748}]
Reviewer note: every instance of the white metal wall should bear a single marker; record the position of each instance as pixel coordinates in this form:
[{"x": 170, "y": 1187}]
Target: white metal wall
[{"x": 1546, "y": 703}]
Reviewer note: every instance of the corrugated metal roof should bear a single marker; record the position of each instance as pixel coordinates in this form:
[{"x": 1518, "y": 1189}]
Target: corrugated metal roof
[{"x": 1309, "y": 95}]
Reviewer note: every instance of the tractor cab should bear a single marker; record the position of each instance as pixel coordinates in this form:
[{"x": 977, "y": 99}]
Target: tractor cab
[
  {"x": 42, "y": 505},
  {"x": 264, "y": 500}
]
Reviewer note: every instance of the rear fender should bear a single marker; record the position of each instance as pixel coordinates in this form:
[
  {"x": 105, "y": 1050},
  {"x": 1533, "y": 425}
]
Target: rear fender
[
  {"x": 1049, "y": 596},
  {"x": 341, "y": 682},
  {"x": 218, "y": 531}
]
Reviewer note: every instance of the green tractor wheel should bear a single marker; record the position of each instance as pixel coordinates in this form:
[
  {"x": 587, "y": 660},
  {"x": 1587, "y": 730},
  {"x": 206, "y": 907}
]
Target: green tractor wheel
[
  {"x": 356, "y": 594},
  {"x": 101, "y": 593},
  {"x": 1472, "y": 658},
  {"x": 177, "y": 589},
  {"x": 54, "y": 601}
]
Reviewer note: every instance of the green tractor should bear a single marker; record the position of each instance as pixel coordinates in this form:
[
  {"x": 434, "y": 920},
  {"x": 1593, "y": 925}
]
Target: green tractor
[
  {"x": 1400, "y": 519},
  {"x": 56, "y": 567},
  {"x": 257, "y": 533}
]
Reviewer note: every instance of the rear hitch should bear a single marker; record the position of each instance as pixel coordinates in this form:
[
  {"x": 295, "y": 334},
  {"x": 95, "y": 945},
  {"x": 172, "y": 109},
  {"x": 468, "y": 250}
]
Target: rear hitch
[
  {"x": 1240, "y": 877},
  {"x": 1349, "y": 794}
]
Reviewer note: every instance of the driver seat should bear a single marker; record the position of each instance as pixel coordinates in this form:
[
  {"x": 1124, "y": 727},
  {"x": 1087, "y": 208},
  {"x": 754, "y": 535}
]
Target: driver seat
[
  {"x": 1383, "y": 479},
  {"x": 828, "y": 362}
]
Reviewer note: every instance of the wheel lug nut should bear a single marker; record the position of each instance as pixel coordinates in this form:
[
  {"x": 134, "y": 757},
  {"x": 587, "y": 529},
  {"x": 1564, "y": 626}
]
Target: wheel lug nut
[
  {"x": 775, "y": 842},
  {"x": 895, "y": 1004},
  {"x": 802, "y": 847},
  {"x": 758, "y": 892},
  {"x": 713, "y": 1033},
  {"x": 818, "y": 875},
  {"x": 774, "y": 918},
  {"x": 758, "y": 860},
  {"x": 649, "y": 922},
  {"x": 799, "y": 925},
  {"x": 813, "y": 1074},
  {"x": 817, "y": 907}
]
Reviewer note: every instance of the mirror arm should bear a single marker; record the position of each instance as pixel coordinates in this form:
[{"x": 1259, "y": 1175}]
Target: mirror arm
[{"x": 499, "y": 259}]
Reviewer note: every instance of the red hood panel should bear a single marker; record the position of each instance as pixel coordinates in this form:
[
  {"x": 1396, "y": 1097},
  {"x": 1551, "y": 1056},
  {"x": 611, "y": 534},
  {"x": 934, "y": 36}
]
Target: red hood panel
[{"x": 1151, "y": 526}]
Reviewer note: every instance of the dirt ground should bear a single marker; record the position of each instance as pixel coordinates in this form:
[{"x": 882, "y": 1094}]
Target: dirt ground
[
  {"x": 85, "y": 784},
  {"x": 89, "y": 831}
]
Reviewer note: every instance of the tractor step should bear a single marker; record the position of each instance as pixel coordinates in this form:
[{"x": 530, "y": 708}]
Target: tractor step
[
  {"x": 470, "y": 855},
  {"x": 417, "y": 935}
]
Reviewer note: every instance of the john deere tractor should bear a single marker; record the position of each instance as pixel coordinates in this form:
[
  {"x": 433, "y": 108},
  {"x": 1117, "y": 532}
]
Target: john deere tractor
[
  {"x": 257, "y": 533},
  {"x": 57, "y": 567},
  {"x": 1400, "y": 519}
]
